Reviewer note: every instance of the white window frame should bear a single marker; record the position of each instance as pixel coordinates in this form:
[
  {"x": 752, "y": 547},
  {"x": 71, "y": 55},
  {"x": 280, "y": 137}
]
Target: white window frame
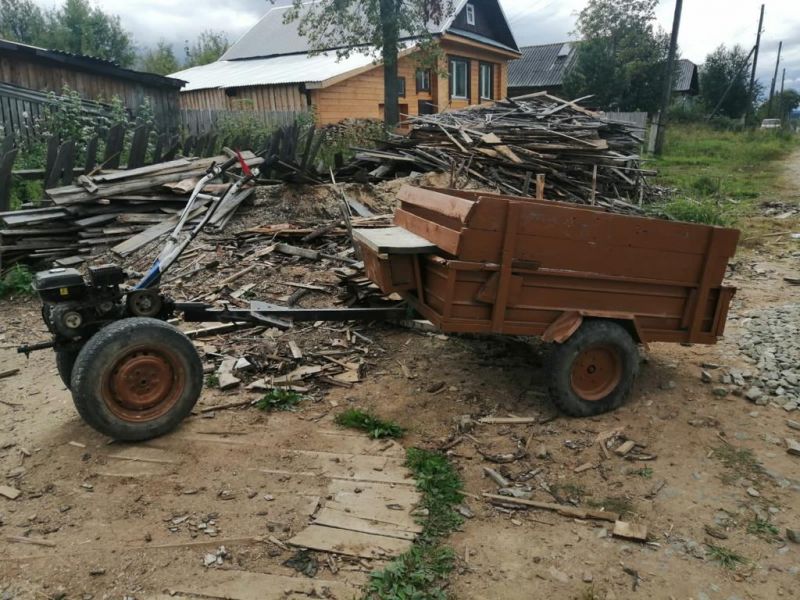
[
  {"x": 486, "y": 76},
  {"x": 471, "y": 14},
  {"x": 455, "y": 64},
  {"x": 425, "y": 76}
]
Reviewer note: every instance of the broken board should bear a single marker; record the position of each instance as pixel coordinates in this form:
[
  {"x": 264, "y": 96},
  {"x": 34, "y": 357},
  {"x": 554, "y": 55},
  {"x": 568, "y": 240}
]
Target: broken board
[
  {"x": 349, "y": 543},
  {"x": 393, "y": 240}
]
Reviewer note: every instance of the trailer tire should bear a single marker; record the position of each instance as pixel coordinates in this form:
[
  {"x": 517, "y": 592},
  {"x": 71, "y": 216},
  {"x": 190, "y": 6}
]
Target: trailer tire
[
  {"x": 594, "y": 370},
  {"x": 136, "y": 379},
  {"x": 65, "y": 362}
]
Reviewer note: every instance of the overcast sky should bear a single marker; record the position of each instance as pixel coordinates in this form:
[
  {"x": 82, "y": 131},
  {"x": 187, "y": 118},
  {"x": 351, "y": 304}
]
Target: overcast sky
[{"x": 705, "y": 24}]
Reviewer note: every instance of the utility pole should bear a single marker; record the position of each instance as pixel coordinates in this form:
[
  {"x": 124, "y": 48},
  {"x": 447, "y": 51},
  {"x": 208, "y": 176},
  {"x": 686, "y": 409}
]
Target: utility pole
[
  {"x": 780, "y": 100},
  {"x": 755, "y": 59},
  {"x": 667, "y": 83},
  {"x": 774, "y": 79}
]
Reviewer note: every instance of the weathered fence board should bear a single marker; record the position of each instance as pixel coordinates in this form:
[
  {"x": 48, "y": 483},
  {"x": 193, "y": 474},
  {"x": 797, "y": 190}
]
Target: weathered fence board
[{"x": 199, "y": 122}]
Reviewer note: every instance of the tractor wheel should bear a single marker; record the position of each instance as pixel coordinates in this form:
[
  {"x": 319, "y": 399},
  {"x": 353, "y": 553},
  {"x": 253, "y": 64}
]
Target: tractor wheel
[
  {"x": 136, "y": 379},
  {"x": 594, "y": 370},
  {"x": 65, "y": 362}
]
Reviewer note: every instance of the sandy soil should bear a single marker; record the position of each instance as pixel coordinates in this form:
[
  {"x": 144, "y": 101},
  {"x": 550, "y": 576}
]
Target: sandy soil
[{"x": 107, "y": 511}]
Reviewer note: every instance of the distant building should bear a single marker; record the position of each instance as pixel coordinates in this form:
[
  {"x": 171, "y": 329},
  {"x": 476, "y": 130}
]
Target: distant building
[
  {"x": 37, "y": 69},
  {"x": 272, "y": 69},
  {"x": 544, "y": 68}
]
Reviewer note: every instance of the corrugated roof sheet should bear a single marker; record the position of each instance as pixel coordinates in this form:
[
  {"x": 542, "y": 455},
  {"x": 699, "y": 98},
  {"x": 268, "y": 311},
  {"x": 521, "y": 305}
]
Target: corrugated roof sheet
[
  {"x": 271, "y": 37},
  {"x": 687, "y": 72},
  {"x": 545, "y": 66},
  {"x": 541, "y": 66},
  {"x": 279, "y": 70}
]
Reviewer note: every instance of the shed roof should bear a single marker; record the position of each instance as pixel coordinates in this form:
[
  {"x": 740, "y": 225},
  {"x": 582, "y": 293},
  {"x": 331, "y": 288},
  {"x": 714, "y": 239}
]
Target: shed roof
[
  {"x": 278, "y": 70},
  {"x": 542, "y": 66},
  {"x": 90, "y": 64}
]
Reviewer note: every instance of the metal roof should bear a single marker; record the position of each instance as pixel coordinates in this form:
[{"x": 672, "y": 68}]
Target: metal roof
[
  {"x": 541, "y": 66},
  {"x": 88, "y": 63},
  {"x": 278, "y": 70},
  {"x": 686, "y": 80}
]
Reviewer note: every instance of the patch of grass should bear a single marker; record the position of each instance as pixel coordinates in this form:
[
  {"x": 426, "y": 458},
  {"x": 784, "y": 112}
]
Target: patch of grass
[
  {"x": 644, "y": 473},
  {"x": 725, "y": 557},
  {"x": 726, "y": 173},
  {"x": 279, "y": 400},
  {"x": 212, "y": 380},
  {"x": 18, "y": 281},
  {"x": 706, "y": 211},
  {"x": 375, "y": 427},
  {"x": 741, "y": 462},
  {"x": 421, "y": 573},
  {"x": 615, "y": 504},
  {"x": 762, "y": 528}
]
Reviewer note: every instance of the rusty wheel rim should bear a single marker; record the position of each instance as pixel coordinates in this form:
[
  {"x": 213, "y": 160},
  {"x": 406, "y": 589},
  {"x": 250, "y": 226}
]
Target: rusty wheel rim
[
  {"x": 143, "y": 384},
  {"x": 596, "y": 372}
]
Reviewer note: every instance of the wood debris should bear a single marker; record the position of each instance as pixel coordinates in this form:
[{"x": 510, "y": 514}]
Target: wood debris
[{"x": 583, "y": 157}]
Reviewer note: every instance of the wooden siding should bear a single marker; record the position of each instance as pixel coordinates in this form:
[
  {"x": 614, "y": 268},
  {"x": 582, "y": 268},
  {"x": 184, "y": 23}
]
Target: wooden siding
[
  {"x": 256, "y": 98},
  {"x": 361, "y": 96},
  {"x": 42, "y": 76}
]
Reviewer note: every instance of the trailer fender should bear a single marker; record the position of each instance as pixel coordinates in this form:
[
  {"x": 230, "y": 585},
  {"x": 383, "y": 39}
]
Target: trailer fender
[{"x": 560, "y": 330}]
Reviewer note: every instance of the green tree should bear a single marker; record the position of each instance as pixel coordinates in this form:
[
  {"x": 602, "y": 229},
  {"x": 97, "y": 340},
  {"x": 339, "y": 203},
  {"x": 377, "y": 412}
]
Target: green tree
[
  {"x": 21, "y": 21},
  {"x": 81, "y": 28},
  {"x": 622, "y": 57},
  {"x": 160, "y": 60},
  {"x": 375, "y": 25},
  {"x": 782, "y": 105},
  {"x": 207, "y": 48},
  {"x": 724, "y": 68}
]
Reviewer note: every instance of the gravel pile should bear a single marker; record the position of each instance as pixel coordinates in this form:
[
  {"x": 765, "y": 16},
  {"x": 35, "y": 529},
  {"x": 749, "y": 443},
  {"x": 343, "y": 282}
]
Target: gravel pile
[{"x": 771, "y": 339}]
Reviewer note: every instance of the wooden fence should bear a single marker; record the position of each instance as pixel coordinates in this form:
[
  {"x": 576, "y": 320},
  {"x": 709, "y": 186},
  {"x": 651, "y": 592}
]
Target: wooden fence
[
  {"x": 637, "y": 120},
  {"x": 21, "y": 110},
  {"x": 200, "y": 122}
]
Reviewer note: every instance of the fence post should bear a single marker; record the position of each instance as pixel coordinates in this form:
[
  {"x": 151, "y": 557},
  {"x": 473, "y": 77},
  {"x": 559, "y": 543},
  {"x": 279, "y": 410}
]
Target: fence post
[
  {"x": 138, "y": 147},
  {"x": 114, "y": 145},
  {"x": 6, "y": 164}
]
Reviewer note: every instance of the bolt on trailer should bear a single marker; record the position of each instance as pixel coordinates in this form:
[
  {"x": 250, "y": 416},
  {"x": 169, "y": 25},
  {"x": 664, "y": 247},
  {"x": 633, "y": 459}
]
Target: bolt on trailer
[{"x": 593, "y": 282}]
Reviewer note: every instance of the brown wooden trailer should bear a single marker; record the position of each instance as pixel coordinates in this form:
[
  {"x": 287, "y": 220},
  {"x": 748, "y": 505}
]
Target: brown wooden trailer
[{"x": 594, "y": 282}]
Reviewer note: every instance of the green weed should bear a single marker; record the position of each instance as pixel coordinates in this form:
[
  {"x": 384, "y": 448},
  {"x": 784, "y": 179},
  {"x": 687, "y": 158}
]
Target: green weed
[
  {"x": 375, "y": 427},
  {"x": 706, "y": 212},
  {"x": 212, "y": 380},
  {"x": 763, "y": 528},
  {"x": 18, "y": 281},
  {"x": 279, "y": 399},
  {"x": 726, "y": 557},
  {"x": 421, "y": 573},
  {"x": 739, "y": 461},
  {"x": 644, "y": 473}
]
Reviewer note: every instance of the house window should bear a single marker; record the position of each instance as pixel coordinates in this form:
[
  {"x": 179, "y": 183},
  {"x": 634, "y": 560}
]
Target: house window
[
  {"x": 401, "y": 87},
  {"x": 470, "y": 14},
  {"x": 423, "y": 80},
  {"x": 486, "y": 80},
  {"x": 459, "y": 78}
]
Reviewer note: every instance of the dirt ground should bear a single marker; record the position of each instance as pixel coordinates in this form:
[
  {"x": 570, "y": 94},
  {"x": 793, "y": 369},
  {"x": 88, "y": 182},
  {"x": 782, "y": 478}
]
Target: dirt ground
[{"x": 124, "y": 521}]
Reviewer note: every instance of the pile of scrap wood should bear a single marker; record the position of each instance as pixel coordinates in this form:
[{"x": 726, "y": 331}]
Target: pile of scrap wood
[
  {"x": 505, "y": 146},
  {"x": 123, "y": 210}
]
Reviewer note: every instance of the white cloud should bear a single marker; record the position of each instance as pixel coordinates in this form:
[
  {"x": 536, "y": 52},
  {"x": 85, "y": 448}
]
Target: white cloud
[{"x": 705, "y": 25}]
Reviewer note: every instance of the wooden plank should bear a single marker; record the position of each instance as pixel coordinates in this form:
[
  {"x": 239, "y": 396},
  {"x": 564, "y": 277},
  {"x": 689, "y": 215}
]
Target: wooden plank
[
  {"x": 130, "y": 246},
  {"x": 446, "y": 239},
  {"x": 349, "y": 543},
  {"x": 328, "y": 517},
  {"x": 394, "y": 240},
  {"x": 246, "y": 585}
]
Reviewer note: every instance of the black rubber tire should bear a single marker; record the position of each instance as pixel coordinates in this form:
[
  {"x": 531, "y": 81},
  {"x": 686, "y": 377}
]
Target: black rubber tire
[
  {"x": 590, "y": 334},
  {"x": 105, "y": 348},
  {"x": 65, "y": 362}
]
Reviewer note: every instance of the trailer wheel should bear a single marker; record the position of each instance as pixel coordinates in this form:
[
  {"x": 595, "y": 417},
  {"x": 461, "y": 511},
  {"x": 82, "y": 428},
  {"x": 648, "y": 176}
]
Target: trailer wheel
[
  {"x": 137, "y": 379},
  {"x": 594, "y": 370},
  {"x": 65, "y": 362}
]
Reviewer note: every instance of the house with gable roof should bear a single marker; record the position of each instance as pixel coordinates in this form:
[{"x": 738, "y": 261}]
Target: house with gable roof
[{"x": 271, "y": 68}]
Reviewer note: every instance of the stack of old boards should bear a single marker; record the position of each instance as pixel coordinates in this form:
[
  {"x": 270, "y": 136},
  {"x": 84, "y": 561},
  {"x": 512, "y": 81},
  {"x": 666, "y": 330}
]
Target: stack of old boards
[
  {"x": 123, "y": 210},
  {"x": 584, "y": 158}
]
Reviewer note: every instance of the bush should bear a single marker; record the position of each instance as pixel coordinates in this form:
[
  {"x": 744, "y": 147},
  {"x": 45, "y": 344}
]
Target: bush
[{"x": 18, "y": 281}]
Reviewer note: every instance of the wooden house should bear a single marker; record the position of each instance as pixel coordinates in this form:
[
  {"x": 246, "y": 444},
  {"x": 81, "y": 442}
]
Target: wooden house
[
  {"x": 271, "y": 69},
  {"x": 28, "y": 71}
]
